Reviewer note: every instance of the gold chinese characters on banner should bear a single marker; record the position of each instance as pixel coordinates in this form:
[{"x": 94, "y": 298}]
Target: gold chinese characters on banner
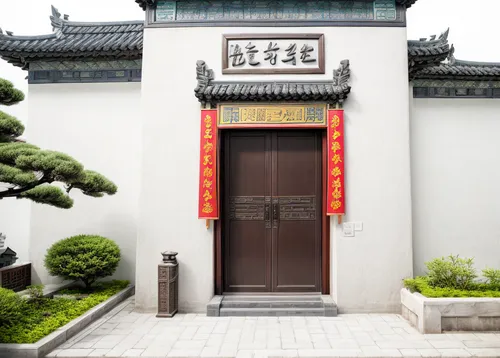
[
  {"x": 336, "y": 172},
  {"x": 287, "y": 115},
  {"x": 208, "y": 207}
]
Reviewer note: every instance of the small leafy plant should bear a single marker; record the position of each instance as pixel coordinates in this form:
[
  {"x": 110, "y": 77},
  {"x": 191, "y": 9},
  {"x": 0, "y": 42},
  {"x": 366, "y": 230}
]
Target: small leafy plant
[
  {"x": 492, "y": 276},
  {"x": 35, "y": 292},
  {"x": 84, "y": 257},
  {"x": 452, "y": 272},
  {"x": 453, "y": 276}
]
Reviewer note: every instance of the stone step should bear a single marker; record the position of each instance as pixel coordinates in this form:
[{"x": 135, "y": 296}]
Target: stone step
[
  {"x": 274, "y": 312},
  {"x": 272, "y": 302},
  {"x": 272, "y": 305}
]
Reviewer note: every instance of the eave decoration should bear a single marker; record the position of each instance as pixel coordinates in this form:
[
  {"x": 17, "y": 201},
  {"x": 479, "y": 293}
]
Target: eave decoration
[{"x": 210, "y": 92}]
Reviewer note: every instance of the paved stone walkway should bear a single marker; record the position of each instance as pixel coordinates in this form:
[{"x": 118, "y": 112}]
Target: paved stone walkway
[{"x": 125, "y": 333}]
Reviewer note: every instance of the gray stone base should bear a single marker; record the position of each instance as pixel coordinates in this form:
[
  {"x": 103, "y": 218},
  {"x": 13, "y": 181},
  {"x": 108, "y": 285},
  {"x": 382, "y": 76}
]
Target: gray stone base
[
  {"x": 61, "y": 335},
  {"x": 435, "y": 315},
  {"x": 272, "y": 305}
]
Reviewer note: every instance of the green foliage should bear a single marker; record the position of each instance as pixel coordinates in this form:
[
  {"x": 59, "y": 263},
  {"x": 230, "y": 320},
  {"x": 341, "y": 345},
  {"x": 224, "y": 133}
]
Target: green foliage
[
  {"x": 27, "y": 168},
  {"x": 422, "y": 285},
  {"x": 451, "y": 272},
  {"x": 10, "y": 127},
  {"x": 94, "y": 184},
  {"x": 11, "y": 308},
  {"x": 492, "y": 276},
  {"x": 8, "y": 94},
  {"x": 83, "y": 257},
  {"x": 35, "y": 292},
  {"x": 47, "y": 315},
  {"x": 48, "y": 194}
]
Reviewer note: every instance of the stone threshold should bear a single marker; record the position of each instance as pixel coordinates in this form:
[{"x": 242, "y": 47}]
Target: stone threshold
[{"x": 62, "y": 334}]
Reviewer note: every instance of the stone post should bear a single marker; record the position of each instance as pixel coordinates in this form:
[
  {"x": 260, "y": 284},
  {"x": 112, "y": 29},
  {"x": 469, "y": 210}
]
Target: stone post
[{"x": 168, "y": 285}]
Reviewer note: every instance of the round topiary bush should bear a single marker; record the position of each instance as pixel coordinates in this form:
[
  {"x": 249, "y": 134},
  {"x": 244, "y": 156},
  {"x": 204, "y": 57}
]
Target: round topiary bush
[
  {"x": 84, "y": 257},
  {"x": 11, "y": 307}
]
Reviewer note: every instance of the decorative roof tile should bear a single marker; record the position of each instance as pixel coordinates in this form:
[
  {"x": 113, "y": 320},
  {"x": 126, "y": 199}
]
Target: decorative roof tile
[
  {"x": 209, "y": 91},
  {"x": 423, "y": 53},
  {"x": 117, "y": 40},
  {"x": 145, "y": 3}
]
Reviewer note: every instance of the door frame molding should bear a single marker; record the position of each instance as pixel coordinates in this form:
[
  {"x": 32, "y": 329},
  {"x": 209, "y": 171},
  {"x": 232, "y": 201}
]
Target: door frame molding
[{"x": 325, "y": 222}]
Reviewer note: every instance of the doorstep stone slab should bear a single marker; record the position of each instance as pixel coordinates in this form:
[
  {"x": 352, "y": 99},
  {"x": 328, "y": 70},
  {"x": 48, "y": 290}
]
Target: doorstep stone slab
[
  {"x": 61, "y": 335},
  {"x": 435, "y": 315},
  {"x": 213, "y": 307}
]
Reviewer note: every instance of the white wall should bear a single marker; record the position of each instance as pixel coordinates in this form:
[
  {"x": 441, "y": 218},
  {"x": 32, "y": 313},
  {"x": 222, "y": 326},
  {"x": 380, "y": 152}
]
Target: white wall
[
  {"x": 99, "y": 125},
  {"x": 455, "y": 150},
  {"x": 366, "y": 270},
  {"x": 15, "y": 214}
]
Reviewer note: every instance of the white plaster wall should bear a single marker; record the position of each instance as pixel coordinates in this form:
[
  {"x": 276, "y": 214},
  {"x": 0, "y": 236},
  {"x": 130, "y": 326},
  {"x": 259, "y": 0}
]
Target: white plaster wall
[
  {"x": 99, "y": 125},
  {"x": 366, "y": 270},
  {"x": 14, "y": 214},
  {"x": 15, "y": 224},
  {"x": 455, "y": 176}
]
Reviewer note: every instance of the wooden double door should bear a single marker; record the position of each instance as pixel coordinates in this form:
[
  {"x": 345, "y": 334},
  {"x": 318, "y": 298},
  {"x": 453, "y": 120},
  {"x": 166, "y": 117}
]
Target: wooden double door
[{"x": 272, "y": 211}]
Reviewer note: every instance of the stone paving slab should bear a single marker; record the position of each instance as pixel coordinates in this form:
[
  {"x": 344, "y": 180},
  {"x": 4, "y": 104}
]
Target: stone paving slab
[{"x": 126, "y": 333}]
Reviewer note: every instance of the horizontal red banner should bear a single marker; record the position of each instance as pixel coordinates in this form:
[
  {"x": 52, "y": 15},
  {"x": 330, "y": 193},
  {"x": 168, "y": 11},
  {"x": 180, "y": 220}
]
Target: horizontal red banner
[
  {"x": 208, "y": 207},
  {"x": 336, "y": 172}
]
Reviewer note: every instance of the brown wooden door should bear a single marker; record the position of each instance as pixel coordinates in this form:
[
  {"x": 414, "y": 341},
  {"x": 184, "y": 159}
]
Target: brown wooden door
[{"x": 272, "y": 211}]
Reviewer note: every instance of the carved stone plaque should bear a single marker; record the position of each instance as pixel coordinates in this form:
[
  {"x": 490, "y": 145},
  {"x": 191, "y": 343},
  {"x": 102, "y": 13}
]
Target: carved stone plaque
[{"x": 273, "y": 53}]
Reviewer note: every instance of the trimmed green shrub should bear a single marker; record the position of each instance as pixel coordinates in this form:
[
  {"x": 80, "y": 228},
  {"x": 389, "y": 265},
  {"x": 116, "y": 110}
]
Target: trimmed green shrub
[
  {"x": 11, "y": 308},
  {"x": 492, "y": 276},
  {"x": 451, "y": 272},
  {"x": 84, "y": 257}
]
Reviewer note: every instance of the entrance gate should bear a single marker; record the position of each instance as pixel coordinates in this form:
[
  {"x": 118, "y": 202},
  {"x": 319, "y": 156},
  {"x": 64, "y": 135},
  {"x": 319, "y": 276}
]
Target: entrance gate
[{"x": 271, "y": 210}]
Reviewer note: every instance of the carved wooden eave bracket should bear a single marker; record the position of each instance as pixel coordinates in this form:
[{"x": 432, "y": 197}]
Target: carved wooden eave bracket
[{"x": 213, "y": 92}]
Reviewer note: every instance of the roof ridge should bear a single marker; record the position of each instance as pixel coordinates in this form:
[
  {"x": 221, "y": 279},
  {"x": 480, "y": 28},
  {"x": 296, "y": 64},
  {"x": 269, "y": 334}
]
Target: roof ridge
[{"x": 58, "y": 22}]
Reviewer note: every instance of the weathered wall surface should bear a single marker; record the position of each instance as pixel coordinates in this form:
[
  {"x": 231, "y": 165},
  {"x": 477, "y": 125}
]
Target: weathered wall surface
[
  {"x": 366, "y": 270},
  {"x": 99, "y": 125},
  {"x": 455, "y": 180}
]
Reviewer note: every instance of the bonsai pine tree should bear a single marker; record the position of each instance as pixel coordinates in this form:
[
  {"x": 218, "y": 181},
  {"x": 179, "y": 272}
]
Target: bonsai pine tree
[{"x": 27, "y": 172}]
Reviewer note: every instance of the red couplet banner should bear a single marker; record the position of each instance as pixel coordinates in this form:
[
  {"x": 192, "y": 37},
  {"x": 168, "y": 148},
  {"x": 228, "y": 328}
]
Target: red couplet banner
[
  {"x": 336, "y": 175},
  {"x": 208, "y": 207}
]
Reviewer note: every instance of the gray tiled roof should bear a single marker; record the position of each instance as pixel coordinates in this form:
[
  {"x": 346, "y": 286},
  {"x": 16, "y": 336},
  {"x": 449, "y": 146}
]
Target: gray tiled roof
[
  {"x": 117, "y": 40},
  {"x": 335, "y": 91},
  {"x": 453, "y": 69},
  {"x": 423, "y": 53},
  {"x": 461, "y": 70},
  {"x": 145, "y": 3}
]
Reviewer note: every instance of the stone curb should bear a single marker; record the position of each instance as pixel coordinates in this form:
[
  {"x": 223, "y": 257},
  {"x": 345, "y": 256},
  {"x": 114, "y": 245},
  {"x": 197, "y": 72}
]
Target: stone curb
[{"x": 61, "y": 335}]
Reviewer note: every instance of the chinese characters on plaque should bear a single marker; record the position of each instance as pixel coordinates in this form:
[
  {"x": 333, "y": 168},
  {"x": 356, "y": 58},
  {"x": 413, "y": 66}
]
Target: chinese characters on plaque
[
  {"x": 336, "y": 189},
  {"x": 208, "y": 207},
  {"x": 282, "y": 115},
  {"x": 284, "y": 53}
]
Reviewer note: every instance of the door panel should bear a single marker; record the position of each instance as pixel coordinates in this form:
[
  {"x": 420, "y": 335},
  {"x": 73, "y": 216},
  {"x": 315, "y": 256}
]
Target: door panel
[
  {"x": 248, "y": 182},
  {"x": 297, "y": 188},
  {"x": 272, "y": 211}
]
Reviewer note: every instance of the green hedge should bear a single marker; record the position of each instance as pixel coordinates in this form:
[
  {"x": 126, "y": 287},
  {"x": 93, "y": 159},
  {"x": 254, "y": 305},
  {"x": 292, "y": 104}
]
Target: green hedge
[
  {"x": 421, "y": 285},
  {"x": 44, "y": 316}
]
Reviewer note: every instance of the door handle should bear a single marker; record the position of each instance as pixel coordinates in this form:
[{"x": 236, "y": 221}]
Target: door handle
[
  {"x": 267, "y": 215},
  {"x": 276, "y": 215}
]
